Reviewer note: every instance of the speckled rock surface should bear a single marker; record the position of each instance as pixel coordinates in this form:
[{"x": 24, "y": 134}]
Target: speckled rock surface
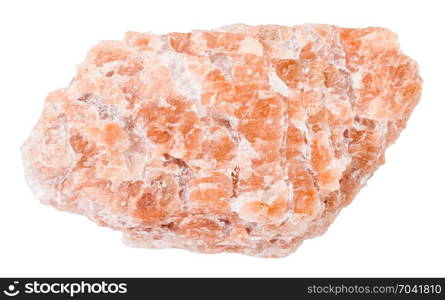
[{"x": 244, "y": 139}]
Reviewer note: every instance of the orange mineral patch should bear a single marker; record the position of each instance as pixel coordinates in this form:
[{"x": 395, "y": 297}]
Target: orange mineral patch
[{"x": 246, "y": 139}]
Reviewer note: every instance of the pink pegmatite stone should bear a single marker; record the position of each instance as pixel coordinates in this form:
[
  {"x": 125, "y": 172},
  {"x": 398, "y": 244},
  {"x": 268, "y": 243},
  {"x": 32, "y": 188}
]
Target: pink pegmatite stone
[{"x": 246, "y": 139}]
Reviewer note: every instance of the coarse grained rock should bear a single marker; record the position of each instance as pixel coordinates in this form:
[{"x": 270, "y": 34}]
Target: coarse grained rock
[{"x": 246, "y": 139}]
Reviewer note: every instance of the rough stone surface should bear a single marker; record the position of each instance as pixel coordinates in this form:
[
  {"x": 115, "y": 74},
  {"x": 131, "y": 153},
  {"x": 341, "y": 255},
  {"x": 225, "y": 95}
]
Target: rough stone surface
[{"x": 243, "y": 139}]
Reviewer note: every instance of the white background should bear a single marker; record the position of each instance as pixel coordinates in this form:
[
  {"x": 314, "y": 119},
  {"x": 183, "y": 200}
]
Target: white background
[{"x": 395, "y": 226}]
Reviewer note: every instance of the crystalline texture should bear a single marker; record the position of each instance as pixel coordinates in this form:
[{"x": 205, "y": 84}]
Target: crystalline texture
[{"x": 244, "y": 139}]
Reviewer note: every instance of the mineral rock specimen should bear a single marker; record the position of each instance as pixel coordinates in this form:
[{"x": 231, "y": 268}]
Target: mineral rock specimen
[{"x": 243, "y": 139}]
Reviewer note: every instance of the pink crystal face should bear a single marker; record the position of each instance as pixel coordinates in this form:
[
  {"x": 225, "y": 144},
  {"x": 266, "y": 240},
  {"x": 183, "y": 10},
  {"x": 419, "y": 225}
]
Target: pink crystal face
[{"x": 244, "y": 139}]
